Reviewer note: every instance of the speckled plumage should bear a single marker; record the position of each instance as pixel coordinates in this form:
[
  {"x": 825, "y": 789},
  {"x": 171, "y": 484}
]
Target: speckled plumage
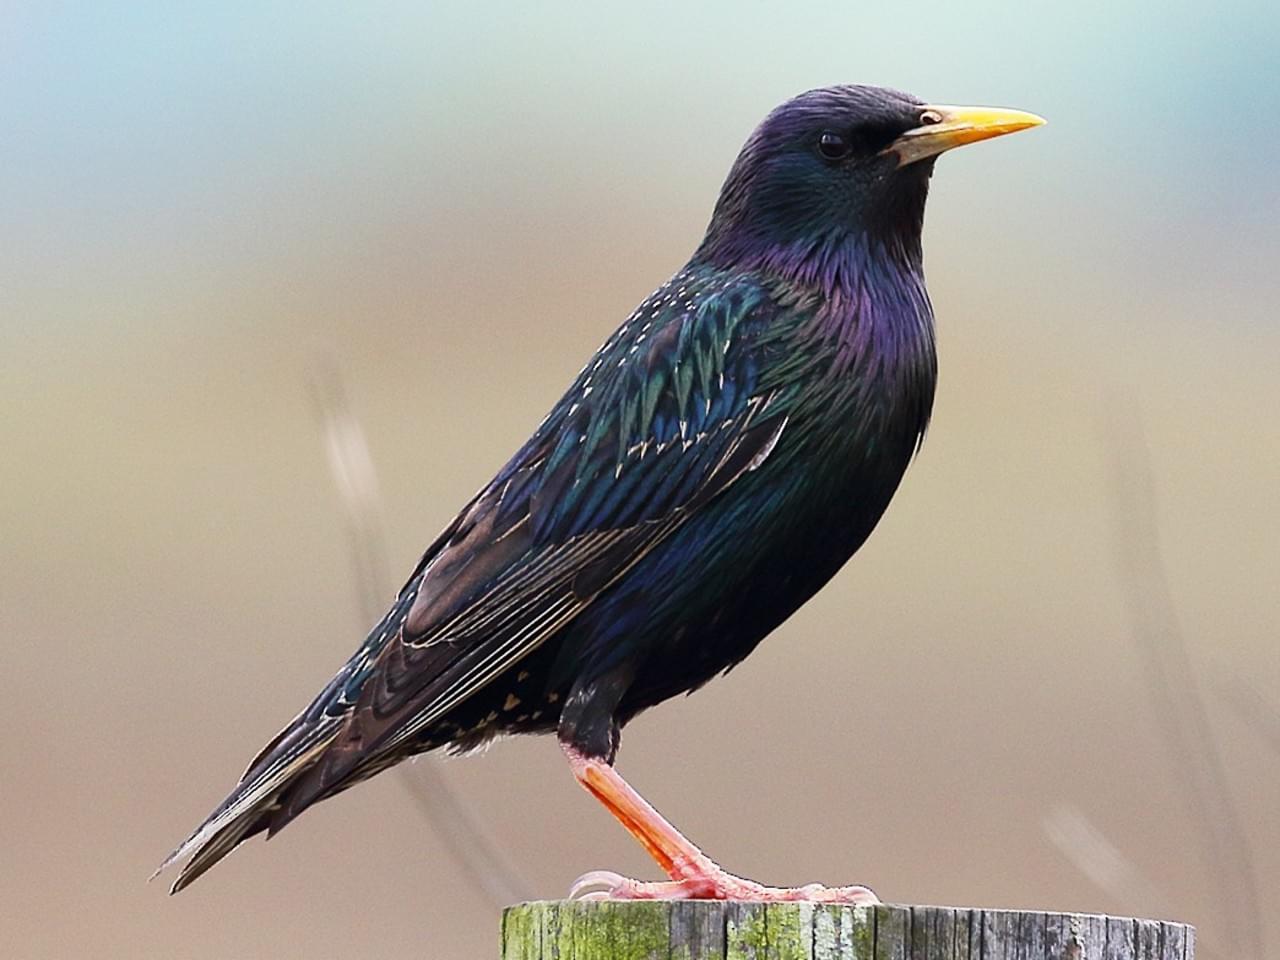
[{"x": 713, "y": 465}]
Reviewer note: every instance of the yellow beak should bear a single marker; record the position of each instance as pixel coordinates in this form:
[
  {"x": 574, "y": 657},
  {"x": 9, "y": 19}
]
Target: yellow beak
[{"x": 948, "y": 127}]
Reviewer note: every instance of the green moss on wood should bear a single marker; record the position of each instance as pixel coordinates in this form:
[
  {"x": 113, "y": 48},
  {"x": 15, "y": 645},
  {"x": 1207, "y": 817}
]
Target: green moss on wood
[
  {"x": 712, "y": 930},
  {"x": 746, "y": 931}
]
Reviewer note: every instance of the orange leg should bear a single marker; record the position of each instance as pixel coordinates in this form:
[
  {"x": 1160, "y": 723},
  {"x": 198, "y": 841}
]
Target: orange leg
[{"x": 694, "y": 876}]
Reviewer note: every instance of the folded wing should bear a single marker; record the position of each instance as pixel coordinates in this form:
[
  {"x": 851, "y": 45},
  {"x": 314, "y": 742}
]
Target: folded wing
[{"x": 666, "y": 417}]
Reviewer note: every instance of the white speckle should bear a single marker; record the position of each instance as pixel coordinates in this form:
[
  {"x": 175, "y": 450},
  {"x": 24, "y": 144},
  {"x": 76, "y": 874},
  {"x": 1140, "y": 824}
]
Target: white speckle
[
  {"x": 522, "y": 676},
  {"x": 767, "y": 449}
]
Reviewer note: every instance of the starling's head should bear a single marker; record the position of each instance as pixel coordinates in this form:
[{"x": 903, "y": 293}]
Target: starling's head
[{"x": 840, "y": 165}]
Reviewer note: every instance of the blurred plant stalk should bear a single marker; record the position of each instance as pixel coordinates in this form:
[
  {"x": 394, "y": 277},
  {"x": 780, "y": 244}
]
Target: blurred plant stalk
[
  {"x": 354, "y": 476},
  {"x": 1176, "y": 699}
]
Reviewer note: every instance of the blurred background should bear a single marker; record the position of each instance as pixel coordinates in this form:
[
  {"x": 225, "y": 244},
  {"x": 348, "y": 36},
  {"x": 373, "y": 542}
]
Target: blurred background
[{"x": 1048, "y": 681}]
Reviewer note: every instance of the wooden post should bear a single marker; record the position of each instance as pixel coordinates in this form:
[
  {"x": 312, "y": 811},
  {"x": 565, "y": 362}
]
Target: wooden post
[{"x": 716, "y": 930}]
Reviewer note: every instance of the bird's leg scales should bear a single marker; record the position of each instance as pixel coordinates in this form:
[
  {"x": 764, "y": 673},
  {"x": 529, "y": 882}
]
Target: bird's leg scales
[{"x": 694, "y": 875}]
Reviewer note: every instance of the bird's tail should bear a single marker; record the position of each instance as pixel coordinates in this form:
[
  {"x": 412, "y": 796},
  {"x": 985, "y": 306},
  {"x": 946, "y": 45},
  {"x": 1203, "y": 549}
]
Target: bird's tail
[{"x": 248, "y": 809}]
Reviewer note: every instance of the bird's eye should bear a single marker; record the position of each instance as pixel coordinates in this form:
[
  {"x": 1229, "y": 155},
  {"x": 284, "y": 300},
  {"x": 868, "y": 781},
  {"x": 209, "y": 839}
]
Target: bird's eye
[
  {"x": 929, "y": 118},
  {"x": 833, "y": 146}
]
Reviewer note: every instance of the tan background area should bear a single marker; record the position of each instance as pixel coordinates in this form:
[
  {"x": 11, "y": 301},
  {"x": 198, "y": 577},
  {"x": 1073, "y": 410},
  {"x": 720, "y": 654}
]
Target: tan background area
[{"x": 197, "y": 210}]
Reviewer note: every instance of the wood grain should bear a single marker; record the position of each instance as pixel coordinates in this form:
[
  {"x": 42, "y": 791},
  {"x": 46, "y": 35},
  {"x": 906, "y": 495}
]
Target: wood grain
[{"x": 716, "y": 930}]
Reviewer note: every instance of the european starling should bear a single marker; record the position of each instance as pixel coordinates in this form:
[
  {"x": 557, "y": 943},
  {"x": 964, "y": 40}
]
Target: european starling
[{"x": 713, "y": 465}]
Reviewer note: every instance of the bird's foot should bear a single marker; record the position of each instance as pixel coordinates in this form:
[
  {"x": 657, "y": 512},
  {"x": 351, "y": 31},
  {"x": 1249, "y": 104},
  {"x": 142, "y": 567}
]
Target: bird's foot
[
  {"x": 709, "y": 882},
  {"x": 694, "y": 875}
]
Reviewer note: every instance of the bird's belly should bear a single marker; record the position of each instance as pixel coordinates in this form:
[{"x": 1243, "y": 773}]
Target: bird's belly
[{"x": 705, "y": 598}]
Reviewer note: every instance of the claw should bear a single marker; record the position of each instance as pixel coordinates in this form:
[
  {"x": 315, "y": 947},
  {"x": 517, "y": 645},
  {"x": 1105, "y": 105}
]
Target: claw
[{"x": 596, "y": 885}]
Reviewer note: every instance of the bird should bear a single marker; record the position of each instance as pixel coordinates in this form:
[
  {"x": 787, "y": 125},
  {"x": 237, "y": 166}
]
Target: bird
[{"x": 724, "y": 453}]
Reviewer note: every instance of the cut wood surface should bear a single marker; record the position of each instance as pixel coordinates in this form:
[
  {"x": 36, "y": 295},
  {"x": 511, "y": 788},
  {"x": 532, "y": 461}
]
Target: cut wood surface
[{"x": 717, "y": 930}]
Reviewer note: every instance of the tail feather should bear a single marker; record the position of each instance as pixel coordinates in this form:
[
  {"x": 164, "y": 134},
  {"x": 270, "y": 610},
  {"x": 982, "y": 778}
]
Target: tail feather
[
  {"x": 216, "y": 847},
  {"x": 248, "y": 809}
]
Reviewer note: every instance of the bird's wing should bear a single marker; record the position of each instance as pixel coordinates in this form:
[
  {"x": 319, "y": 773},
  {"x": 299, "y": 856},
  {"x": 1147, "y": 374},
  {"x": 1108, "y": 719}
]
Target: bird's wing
[
  {"x": 668, "y": 414},
  {"x": 664, "y": 418}
]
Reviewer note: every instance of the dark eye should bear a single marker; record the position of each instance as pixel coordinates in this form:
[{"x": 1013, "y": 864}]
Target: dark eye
[{"x": 833, "y": 146}]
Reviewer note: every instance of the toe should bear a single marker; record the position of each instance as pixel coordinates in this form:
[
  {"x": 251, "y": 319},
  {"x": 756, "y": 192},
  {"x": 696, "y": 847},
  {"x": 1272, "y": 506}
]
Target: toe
[{"x": 858, "y": 896}]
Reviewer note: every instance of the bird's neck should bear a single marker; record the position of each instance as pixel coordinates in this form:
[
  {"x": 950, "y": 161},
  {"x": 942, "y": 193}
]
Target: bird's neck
[
  {"x": 864, "y": 297},
  {"x": 824, "y": 250},
  {"x": 876, "y": 312},
  {"x": 829, "y": 264},
  {"x": 863, "y": 321}
]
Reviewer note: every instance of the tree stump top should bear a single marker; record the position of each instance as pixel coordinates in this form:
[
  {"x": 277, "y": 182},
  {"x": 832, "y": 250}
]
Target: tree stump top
[{"x": 718, "y": 930}]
